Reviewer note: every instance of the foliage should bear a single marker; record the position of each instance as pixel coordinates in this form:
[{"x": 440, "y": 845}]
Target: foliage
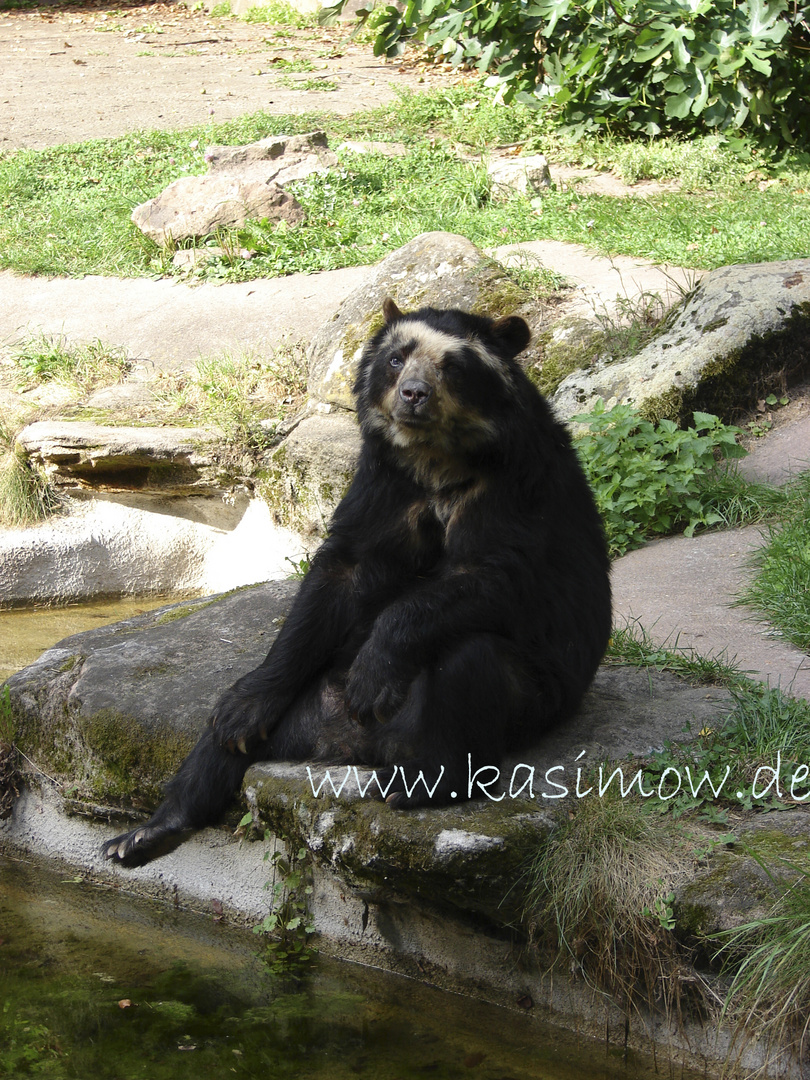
[
  {"x": 642, "y": 66},
  {"x": 646, "y": 476},
  {"x": 288, "y": 927}
]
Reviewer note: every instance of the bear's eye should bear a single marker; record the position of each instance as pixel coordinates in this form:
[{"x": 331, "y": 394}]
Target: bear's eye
[{"x": 395, "y": 362}]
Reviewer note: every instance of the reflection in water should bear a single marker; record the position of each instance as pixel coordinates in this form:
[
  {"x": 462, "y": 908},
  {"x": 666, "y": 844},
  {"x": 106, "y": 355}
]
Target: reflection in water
[{"x": 97, "y": 986}]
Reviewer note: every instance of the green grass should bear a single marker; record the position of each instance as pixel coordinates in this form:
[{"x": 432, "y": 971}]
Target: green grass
[
  {"x": 66, "y": 209},
  {"x": 244, "y": 396},
  {"x": 46, "y": 359},
  {"x": 781, "y": 587}
]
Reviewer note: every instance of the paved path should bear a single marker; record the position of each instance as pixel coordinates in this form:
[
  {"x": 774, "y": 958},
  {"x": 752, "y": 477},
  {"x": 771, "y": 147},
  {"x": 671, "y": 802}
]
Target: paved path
[
  {"x": 682, "y": 590},
  {"x": 173, "y": 324}
]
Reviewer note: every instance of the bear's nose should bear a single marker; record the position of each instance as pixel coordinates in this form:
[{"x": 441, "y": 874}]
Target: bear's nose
[{"x": 414, "y": 392}]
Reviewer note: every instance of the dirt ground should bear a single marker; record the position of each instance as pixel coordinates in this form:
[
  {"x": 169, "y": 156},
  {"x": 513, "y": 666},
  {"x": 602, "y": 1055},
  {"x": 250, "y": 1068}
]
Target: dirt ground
[{"x": 70, "y": 72}]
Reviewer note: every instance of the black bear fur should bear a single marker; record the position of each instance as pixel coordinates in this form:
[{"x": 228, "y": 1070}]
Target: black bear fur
[{"x": 460, "y": 604}]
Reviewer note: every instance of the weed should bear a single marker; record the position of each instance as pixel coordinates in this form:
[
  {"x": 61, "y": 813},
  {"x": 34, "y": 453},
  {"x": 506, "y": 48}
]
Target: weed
[
  {"x": 26, "y": 495},
  {"x": 530, "y": 274},
  {"x": 318, "y": 84},
  {"x": 752, "y": 759},
  {"x": 630, "y": 645},
  {"x": 288, "y": 928},
  {"x": 245, "y": 397},
  {"x": 47, "y": 359}
]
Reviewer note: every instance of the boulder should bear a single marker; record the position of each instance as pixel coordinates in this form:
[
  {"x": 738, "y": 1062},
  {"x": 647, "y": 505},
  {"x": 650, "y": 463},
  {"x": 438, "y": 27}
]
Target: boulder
[
  {"x": 435, "y": 269},
  {"x": 310, "y": 472},
  {"x": 79, "y": 454},
  {"x": 732, "y": 340},
  {"x": 242, "y": 182}
]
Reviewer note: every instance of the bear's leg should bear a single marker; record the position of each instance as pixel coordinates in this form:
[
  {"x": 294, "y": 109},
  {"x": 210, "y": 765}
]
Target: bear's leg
[
  {"x": 198, "y": 795},
  {"x": 211, "y": 775},
  {"x": 465, "y": 705}
]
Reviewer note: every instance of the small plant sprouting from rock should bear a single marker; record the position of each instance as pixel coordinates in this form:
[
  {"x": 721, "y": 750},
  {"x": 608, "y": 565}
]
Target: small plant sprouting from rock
[
  {"x": 600, "y": 901},
  {"x": 768, "y": 960},
  {"x": 287, "y": 928}
]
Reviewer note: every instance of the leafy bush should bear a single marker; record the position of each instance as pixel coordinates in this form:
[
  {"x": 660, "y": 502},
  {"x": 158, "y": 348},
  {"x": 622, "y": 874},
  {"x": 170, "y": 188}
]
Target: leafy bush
[
  {"x": 646, "y": 477},
  {"x": 643, "y": 66}
]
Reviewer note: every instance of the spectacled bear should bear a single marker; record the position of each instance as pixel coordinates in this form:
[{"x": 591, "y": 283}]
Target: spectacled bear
[{"x": 460, "y": 604}]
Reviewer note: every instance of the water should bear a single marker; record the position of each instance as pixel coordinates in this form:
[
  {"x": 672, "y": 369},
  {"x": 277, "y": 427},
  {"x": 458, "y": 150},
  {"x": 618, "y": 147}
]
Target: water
[
  {"x": 95, "y": 986},
  {"x": 25, "y": 633}
]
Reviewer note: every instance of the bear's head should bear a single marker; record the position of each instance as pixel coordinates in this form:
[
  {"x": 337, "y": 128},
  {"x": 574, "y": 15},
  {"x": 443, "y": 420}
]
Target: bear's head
[{"x": 438, "y": 383}]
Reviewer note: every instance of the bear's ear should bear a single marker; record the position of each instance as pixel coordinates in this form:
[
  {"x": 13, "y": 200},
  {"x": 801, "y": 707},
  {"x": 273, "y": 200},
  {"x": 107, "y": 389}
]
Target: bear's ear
[
  {"x": 511, "y": 335},
  {"x": 390, "y": 311}
]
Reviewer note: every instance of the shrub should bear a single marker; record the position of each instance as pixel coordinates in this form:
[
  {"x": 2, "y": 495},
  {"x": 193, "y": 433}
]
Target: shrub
[
  {"x": 641, "y": 66},
  {"x": 646, "y": 477}
]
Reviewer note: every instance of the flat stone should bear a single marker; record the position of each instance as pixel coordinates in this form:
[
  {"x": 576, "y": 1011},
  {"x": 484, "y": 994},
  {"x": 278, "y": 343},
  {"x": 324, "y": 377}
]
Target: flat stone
[
  {"x": 522, "y": 175},
  {"x": 243, "y": 182},
  {"x": 94, "y": 455},
  {"x": 196, "y": 206}
]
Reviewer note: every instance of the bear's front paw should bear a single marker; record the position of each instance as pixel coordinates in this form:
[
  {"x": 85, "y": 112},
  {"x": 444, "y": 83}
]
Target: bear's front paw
[
  {"x": 240, "y": 720},
  {"x": 375, "y": 688}
]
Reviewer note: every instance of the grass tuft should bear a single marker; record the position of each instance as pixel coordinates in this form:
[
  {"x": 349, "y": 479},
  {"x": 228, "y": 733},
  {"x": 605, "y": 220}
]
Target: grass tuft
[
  {"x": 26, "y": 496},
  {"x": 245, "y": 397},
  {"x": 769, "y": 961},
  {"x": 46, "y": 359},
  {"x": 600, "y": 899},
  {"x": 781, "y": 588}
]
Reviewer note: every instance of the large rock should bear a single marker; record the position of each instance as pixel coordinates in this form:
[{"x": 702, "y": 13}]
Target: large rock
[
  {"x": 735, "y": 337},
  {"x": 435, "y": 269},
  {"x": 110, "y": 713},
  {"x": 243, "y": 182}
]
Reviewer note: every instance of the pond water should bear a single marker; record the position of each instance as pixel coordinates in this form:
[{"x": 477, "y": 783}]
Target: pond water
[
  {"x": 26, "y": 632},
  {"x": 97, "y": 986}
]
